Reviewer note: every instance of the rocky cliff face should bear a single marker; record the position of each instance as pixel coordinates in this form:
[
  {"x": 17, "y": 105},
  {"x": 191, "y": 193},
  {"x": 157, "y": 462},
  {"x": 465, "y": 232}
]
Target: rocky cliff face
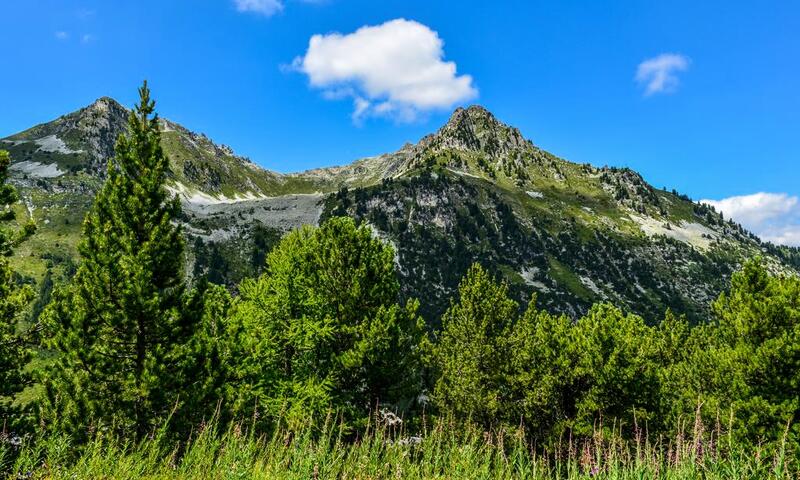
[{"x": 475, "y": 190}]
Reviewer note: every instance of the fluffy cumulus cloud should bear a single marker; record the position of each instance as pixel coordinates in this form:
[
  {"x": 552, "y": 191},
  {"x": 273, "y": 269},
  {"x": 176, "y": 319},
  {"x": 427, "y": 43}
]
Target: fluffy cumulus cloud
[
  {"x": 261, "y": 7},
  {"x": 660, "y": 74},
  {"x": 396, "y": 70},
  {"x": 774, "y": 217}
]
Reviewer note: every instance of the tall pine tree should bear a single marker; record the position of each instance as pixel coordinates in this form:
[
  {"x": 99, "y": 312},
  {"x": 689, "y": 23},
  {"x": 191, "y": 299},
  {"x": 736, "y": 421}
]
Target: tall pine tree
[
  {"x": 117, "y": 325},
  {"x": 14, "y": 352},
  {"x": 472, "y": 354}
]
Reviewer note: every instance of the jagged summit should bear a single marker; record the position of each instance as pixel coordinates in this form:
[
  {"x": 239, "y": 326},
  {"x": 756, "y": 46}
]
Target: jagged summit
[
  {"x": 105, "y": 103},
  {"x": 81, "y": 142},
  {"x": 476, "y": 129},
  {"x": 83, "y": 139},
  {"x": 105, "y": 110},
  {"x": 473, "y": 114}
]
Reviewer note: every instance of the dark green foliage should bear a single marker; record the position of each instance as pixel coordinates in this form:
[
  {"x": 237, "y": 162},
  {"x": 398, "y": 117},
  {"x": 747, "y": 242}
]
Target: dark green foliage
[
  {"x": 121, "y": 328},
  {"x": 205, "y": 364},
  {"x": 44, "y": 296},
  {"x": 618, "y": 373},
  {"x": 14, "y": 298},
  {"x": 210, "y": 263},
  {"x": 472, "y": 351},
  {"x": 323, "y": 331},
  {"x": 746, "y": 364},
  {"x": 230, "y": 261},
  {"x": 610, "y": 369},
  {"x": 263, "y": 240},
  {"x": 434, "y": 257},
  {"x": 442, "y": 224},
  {"x": 543, "y": 372}
]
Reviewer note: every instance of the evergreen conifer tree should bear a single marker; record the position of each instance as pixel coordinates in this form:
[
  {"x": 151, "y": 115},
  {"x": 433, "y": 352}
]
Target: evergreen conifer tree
[
  {"x": 617, "y": 376},
  {"x": 116, "y": 325},
  {"x": 472, "y": 353},
  {"x": 14, "y": 351},
  {"x": 544, "y": 357},
  {"x": 758, "y": 353},
  {"x": 323, "y": 329}
]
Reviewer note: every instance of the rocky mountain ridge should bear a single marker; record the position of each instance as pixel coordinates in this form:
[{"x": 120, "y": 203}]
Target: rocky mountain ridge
[{"x": 475, "y": 190}]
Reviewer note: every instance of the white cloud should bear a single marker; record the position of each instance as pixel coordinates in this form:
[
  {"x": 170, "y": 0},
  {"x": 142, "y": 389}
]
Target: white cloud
[
  {"x": 261, "y": 7},
  {"x": 788, "y": 235},
  {"x": 659, "y": 74},
  {"x": 395, "y": 69},
  {"x": 61, "y": 35},
  {"x": 85, "y": 13},
  {"x": 86, "y": 38},
  {"x": 774, "y": 217}
]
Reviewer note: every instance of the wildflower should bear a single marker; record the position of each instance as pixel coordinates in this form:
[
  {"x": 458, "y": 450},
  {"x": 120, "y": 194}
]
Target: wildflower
[
  {"x": 412, "y": 440},
  {"x": 390, "y": 419}
]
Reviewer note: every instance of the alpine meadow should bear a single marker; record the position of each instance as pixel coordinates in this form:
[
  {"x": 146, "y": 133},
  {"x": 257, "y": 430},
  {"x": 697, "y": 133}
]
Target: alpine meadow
[{"x": 469, "y": 305}]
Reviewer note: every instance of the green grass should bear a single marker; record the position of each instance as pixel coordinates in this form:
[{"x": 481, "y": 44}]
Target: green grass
[
  {"x": 227, "y": 175},
  {"x": 58, "y": 215},
  {"x": 440, "y": 452},
  {"x": 562, "y": 274}
]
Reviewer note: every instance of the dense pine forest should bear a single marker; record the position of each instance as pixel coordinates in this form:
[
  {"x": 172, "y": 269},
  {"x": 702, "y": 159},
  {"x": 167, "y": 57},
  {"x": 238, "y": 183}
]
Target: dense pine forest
[{"x": 320, "y": 368}]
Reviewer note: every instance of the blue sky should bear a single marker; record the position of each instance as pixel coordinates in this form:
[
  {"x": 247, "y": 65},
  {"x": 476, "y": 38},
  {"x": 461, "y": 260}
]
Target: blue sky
[{"x": 698, "y": 96}]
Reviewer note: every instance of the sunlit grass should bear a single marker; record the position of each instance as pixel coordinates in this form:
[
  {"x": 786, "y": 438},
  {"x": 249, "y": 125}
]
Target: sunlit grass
[{"x": 443, "y": 451}]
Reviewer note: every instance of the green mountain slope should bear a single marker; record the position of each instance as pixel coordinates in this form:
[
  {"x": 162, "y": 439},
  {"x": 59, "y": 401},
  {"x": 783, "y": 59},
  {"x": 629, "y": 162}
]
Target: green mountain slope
[
  {"x": 572, "y": 233},
  {"x": 475, "y": 190}
]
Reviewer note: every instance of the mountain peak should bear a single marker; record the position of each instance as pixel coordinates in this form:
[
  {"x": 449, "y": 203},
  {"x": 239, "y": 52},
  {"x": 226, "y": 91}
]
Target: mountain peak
[
  {"x": 476, "y": 129},
  {"x": 105, "y": 104},
  {"x": 105, "y": 100},
  {"x": 472, "y": 113}
]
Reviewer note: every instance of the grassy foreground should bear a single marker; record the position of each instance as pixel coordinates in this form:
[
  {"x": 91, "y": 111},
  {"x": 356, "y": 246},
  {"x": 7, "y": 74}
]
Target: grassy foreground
[{"x": 440, "y": 452}]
